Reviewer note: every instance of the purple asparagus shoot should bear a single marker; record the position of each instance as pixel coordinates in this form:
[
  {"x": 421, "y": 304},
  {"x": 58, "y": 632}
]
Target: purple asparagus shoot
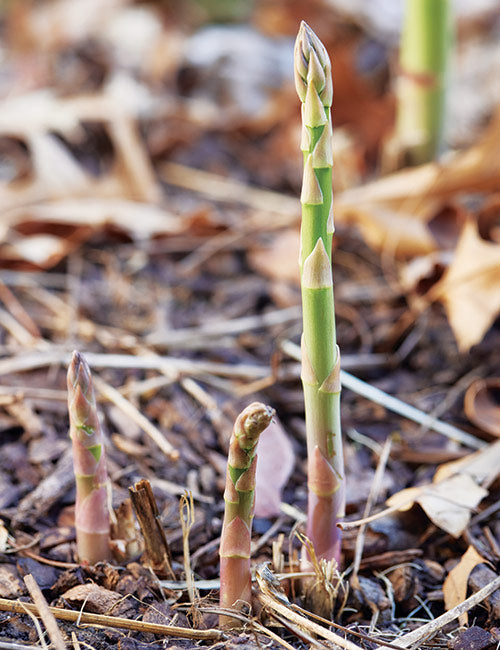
[{"x": 92, "y": 521}]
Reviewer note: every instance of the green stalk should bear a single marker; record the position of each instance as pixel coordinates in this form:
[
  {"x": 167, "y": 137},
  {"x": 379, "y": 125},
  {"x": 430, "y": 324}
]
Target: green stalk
[
  {"x": 320, "y": 354},
  {"x": 89, "y": 460},
  {"x": 421, "y": 85},
  {"x": 235, "y": 579}
]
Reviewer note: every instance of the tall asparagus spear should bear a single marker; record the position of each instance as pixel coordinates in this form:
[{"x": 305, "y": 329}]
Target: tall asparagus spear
[
  {"x": 320, "y": 354},
  {"x": 235, "y": 580},
  {"x": 89, "y": 461},
  {"x": 425, "y": 43}
]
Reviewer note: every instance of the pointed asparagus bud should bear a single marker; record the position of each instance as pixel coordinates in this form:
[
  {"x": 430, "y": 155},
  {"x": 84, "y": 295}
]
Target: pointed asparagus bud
[
  {"x": 317, "y": 271},
  {"x": 322, "y": 153},
  {"x": 311, "y": 191},
  {"x": 312, "y": 64},
  {"x": 89, "y": 460},
  {"x": 235, "y": 581}
]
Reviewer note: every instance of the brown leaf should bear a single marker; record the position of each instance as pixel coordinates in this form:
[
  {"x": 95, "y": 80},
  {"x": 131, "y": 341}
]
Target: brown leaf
[
  {"x": 455, "y": 585},
  {"x": 470, "y": 288},
  {"x": 481, "y": 405},
  {"x": 457, "y": 489},
  {"x": 41, "y": 235},
  {"x": 276, "y": 460},
  {"x": 447, "y": 504},
  {"x": 97, "y": 600}
]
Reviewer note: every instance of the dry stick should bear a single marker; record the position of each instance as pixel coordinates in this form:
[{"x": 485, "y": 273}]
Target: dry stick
[
  {"x": 129, "y": 409},
  {"x": 86, "y": 618},
  {"x": 133, "y": 157},
  {"x": 37, "y": 625},
  {"x": 163, "y": 364},
  {"x": 18, "y": 311},
  {"x": 186, "y": 515},
  {"x": 269, "y": 599},
  {"x": 146, "y": 510},
  {"x": 225, "y": 189},
  {"x": 398, "y": 406},
  {"x": 372, "y": 497},
  {"x": 438, "y": 623},
  {"x": 46, "y": 615},
  {"x": 274, "y": 605},
  {"x": 232, "y": 326},
  {"x": 7, "y": 645},
  {"x": 17, "y": 331}
]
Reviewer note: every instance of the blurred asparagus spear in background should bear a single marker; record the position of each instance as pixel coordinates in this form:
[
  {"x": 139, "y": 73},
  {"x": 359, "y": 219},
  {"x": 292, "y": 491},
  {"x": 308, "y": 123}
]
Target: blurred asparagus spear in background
[
  {"x": 235, "y": 579},
  {"x": 320, "y": 354},
  {"x": 89, "y": 460},
  {"x": 425, "y": 44}
]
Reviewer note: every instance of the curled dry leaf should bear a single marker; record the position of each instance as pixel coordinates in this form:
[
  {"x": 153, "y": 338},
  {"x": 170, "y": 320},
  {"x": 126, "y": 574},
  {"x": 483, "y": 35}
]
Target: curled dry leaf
[
  {"x": 397, "y": 209},
  {"x": 455, "y": 585},
  {"x": 41, "y": 235},
  {"x": 470, "y": 287},
  {"x": 276, "y": 462},
  {"x": 457, "y": 489},
  {"x": 482, "y": 404}
]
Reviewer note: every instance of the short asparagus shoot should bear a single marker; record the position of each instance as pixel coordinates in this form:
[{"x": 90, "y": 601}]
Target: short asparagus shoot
[
  {"x": 239, "y": 496},
  {"x": 320, "y": 354},
  {"x": 92, "y": 521}
]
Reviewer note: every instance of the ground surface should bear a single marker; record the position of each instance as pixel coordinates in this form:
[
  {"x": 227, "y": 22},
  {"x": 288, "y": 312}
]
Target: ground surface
[{"x": 181, "y": 289}]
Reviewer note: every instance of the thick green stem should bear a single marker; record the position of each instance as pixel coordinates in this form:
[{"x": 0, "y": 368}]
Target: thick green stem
[
  {"x": 235, "y": 581},
  {"x": 320, "y": 355},
  {"x": 91, "y": 509},
  {"x": 424, "y": 50}
]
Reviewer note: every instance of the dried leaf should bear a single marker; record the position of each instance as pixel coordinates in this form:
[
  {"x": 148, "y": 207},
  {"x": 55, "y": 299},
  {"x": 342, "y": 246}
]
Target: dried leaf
[
  {"x": 470, "y": 288},
  {"x": 447, "y": 504},
  {"x": 457, "y": 489},
  {"x": 481, "y": 405},
  {"x": 96, "y": 599},
  {"x": 455, "y": 585},
  {"x": 275, "y": 464},
  {"x": 482, "y": 466},
  {"x": 41, "y": 235}
]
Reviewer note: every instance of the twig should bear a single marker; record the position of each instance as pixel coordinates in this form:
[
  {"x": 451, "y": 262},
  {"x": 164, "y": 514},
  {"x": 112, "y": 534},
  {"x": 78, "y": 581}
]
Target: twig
[
  {"x": 401, "y": 408},
  {"x": 146, "y": 510},
  {"x": 141, "y": 420},
  {"x": 18, "y": 331},
  {"x": 18, "y": 311},
  {"x": 22, "y": 363},
  {"x": 26, "y": 610},
  {"x": 226, "y": 189},
  {"x": 186, "y": 515},
  {"x": 86, "y": 618},
  {"x": 222, "y": 327},
  {"x": 303, "y": 622},
  {"x": 372, "y": 497},
  {"x": 46, "y": 615},
  {"x": 244, "y": 619},
  {"x": 7, "y": 645},
  {"x": 430, "y": 628}
]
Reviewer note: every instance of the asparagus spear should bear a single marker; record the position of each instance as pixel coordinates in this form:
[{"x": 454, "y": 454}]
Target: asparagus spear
[
  {"x": 91, "y": 510},
  {"x": 421, "y": 85},
  {"x": 235, "y": 580},
  {"x": 320, "y": 354}
]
